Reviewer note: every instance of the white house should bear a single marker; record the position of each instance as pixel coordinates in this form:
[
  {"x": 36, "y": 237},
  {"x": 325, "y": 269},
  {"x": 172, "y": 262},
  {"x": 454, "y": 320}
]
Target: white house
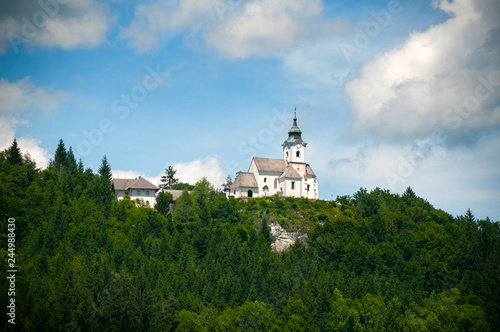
[
  {"x": 139, "y": 188},
  {"x": 287, "y": 177}
]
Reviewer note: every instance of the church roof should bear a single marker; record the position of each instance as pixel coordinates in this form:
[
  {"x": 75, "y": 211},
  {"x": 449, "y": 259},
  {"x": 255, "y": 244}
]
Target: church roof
[
  {"x": 294, "y": 134},
  {"x": 309, "y": 171},
  {"x": 140, "y": 183},
  {"x": 245, "y": 180},
  {"x": 270, "y": 165},
  {"x": 290, "y": 173}
]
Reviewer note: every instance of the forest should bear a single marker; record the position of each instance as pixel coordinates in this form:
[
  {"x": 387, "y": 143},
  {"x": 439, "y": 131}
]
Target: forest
[{"x": 373, "y": 260}]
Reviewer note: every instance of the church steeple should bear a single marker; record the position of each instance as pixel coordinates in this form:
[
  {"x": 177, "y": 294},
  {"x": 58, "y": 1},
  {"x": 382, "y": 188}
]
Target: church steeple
[
  {"x": 294, "y": 134},
  {"x": 294, "y": 147}
]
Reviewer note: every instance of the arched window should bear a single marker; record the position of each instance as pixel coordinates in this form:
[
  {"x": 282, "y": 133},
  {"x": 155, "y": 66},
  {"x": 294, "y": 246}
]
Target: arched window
[
  {"x": 287, "y": 154},
  {"x": 265, "y": 180},
  {"x": 250, "y": 193},
  {"x": 298, "y": 154}
]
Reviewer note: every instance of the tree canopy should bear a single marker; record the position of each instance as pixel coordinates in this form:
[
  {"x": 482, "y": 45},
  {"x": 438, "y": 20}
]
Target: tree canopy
[{"x": 375, "y": 260}]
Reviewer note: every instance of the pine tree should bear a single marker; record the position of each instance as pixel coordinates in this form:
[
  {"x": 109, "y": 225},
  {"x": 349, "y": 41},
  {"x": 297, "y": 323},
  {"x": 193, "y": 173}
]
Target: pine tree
[
  {"x": 168, "y": 179},
  {"x": 60, "y": 158},
  {"x": 14, "y": 156},
  {"x": 105, "y": 172},
  {"x": 163, "y": 201},
  {"x": 71, "y": 165},
  {"x": 81, "y": 168}
]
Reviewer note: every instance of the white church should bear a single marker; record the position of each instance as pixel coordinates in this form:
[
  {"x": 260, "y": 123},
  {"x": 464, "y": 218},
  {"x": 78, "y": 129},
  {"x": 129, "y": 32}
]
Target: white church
[{"x": 287, "y": 177}]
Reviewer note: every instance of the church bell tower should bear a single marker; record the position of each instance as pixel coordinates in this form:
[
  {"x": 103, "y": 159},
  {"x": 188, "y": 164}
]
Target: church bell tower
[{"x": 294, "y": 148}]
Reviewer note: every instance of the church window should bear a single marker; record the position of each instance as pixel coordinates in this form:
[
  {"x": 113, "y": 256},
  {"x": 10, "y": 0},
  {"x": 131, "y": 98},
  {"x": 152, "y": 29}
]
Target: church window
[
  {"x": 298, "y": 154},
  {"x": 265, "y": 180},
  {"x": 287, "y": 154},
  {"x": 275, "y": 183},
  {"x": 308, "y": 187},
  {"x": 293, "y": 185}
]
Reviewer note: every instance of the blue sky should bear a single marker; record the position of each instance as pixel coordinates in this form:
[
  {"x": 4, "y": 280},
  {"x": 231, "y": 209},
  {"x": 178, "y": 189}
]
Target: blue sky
[{"x": 388, "y": 94}]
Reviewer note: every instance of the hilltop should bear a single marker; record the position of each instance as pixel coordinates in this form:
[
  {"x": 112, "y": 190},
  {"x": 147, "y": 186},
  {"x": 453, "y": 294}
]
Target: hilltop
[{"x": 371, "y": 261}]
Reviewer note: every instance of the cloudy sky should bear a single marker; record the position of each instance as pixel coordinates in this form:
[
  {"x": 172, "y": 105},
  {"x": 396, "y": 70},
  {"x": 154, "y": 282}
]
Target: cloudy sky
[{"x": 388, "y": 94}]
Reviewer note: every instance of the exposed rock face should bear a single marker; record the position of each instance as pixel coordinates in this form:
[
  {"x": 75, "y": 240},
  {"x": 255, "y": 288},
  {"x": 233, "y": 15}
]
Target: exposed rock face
[{"x": 284, "y": 239}]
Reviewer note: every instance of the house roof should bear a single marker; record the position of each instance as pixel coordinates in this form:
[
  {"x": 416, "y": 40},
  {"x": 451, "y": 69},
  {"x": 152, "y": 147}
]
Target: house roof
[
  {"x": 270, "y": 165},
  {"x": 245, "y": 180},
  {"x": 140, "y": 183},
  {"x": 309, "y": 171},
  {"x": 290, "y": 173},
  {"x": 175, "y": 193}
]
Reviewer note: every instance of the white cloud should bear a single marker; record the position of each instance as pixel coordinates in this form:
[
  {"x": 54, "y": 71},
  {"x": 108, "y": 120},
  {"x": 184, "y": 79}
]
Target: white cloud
[
  {"x": 65, "y": 24},
  {"x": 36, "y": 152},
  {"x": 407, "y": 92},
  {"x": 190, "y": 172},
  {"x": 265, "y": 28},
  {"x": 20, "y": 97},
  {"x": 155, "y": 22},
  {"x": 195, "y": 170},
  {"x": 450, "y": 179},
  {"x": 257, "y": 27},
  {"x": 23, "y": 95}
]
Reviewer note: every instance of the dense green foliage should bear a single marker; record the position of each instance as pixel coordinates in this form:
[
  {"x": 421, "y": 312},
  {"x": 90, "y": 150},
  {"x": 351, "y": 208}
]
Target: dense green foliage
[{"x": 374, "y": 261}]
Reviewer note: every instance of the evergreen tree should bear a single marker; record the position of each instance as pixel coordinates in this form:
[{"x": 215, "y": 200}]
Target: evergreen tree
[
  {"x": 60, "y": 158},
  {"x": 163, "y": 201},
  {"x": 104, "y": 172},
  {"x": 71, "y": 165},
  {"x": 409, "y": 193},
  {"x": 81, "y": 168},
  {"x": 14, "y": 156},
  {"x": 168, "y": 179},
  {"x": 185, "y": 212}
]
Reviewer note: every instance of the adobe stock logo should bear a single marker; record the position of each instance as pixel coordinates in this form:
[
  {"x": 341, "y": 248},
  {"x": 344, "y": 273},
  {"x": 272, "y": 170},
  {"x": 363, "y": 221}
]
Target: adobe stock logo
[
  {"x": 30, "y": 28},
  {"x": 371, "y": 29},
  {"x": 453, "y": 119}
]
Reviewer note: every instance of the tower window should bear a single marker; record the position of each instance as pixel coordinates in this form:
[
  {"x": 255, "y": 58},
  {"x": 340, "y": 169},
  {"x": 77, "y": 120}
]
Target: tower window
[
  {"x": 287, "y": 154},
  {"x": 265, "y": 180},
  {"x": 275, "y": 183},
  {"x": 293, "y": 185},
  {"x": 298, "y": 154}
]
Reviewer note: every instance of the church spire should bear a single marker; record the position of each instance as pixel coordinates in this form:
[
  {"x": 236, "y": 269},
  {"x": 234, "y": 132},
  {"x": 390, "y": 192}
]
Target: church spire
[
  {"x": 294, "y": 134},
  {"x": 295, "y": 130}
]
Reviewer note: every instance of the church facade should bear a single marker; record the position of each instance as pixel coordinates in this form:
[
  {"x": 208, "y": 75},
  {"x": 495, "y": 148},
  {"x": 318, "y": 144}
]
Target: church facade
[{"x": 290, "y": 176}]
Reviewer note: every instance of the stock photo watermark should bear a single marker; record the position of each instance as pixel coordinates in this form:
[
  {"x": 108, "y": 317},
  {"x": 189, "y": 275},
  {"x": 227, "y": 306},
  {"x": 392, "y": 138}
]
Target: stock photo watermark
[
  {"x": 32, "y": 26},
  {"x": 453, "y": 118},
  {"x": 224, "y": 6},
  {"x": 371, "y": 29},
  {"x": 121, "y": 107},
  {"x": 11, "y": 270},
  {"x": 255, "y": 143}
]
